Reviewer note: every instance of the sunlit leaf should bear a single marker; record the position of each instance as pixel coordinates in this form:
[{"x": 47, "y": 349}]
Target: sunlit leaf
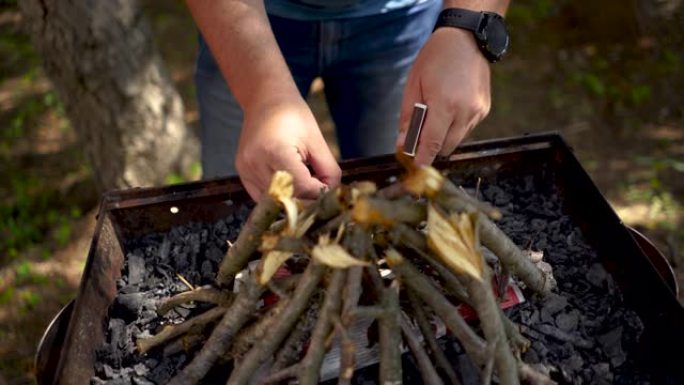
[
  {"x": 363, "y": 188},
  {"x": 282, "y": 189},
  {"x": 364, "y": 212},
  {"x": 334, "y": 255},
  {"x": 454, "y": 240},
  {"x": 269, "y": 265},
  {"x": 424, "y": 180}
]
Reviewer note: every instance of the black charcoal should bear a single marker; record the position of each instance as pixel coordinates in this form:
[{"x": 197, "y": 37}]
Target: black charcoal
[
  {"x": 567, "y": 321},
  {"x": 579, "y": 333},
  {"x": 597, "y": 275},
  {"x": 136, "y": 268}
]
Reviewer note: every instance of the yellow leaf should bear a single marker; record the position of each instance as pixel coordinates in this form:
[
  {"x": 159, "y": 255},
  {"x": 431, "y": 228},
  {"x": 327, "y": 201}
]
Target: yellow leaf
[
  {"x": 304, "y": 225},
  {"x": 270, "y": 264},
  {"x": 424, "y": 180},
  {"x": 335, "y": 256},
  {"x": 364, "y": 212},
  {"x": 281, "y": 185},
  {"x": 281, "y": 189},
  {"x": 454, "y": 241},
  {"x": 290, "y": 207},
  {"x": 362, "y": 188}
]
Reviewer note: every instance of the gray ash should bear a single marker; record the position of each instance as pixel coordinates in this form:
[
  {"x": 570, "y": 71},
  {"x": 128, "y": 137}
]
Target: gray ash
[{"x": 582, "y": 333}]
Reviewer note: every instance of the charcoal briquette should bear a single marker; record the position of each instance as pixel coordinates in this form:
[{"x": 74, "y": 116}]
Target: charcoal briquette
[
  {"x": 208, "y": 271},
  {"x": 142, "y": 381},
  {"x": 567, "y": 321},
  {"x": 597, "y": 275}
]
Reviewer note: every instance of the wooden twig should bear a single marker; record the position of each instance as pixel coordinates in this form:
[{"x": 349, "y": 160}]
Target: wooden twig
[
  {"x": 430, "y": 339},
  {"x": 378, "y": 211},
  {"x": 257, "y": 330},
  {"x": 488, "y": 311},
  {"x": 390, "y": 337},
  {"x": 172, "y": 331},
  {"x": 292, "y": 348},
  {"x": 488, "y": 368},
  {"x": 219, "y": 341},
  {"x": 408, "y": 237},
  {"x": 183, "y": 344},
  {"x": 267, "y": 345},
  {"x": 427, "y": 371},
  {"x": 412, "y": 278},
  {"x": 347, "y": 354},
  {"x": 352, "y": 291},
  {"x": 530, "y": 376},
  {"x": 311, "y": 364},
  {"x": 201, "y": 294},
  {"x": 249, "y": 239},
  {"x": 392, "y": 191},
  {"x": 513, "y": 258},
  {"x": 281, "y": 375}
]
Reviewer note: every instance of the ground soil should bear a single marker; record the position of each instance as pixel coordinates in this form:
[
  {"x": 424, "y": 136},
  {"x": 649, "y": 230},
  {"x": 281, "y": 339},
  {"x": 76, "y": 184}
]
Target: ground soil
[{"x": 615, "y": 97}]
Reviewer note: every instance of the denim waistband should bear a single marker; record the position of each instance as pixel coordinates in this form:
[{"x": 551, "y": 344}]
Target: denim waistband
[{"x": 338, "y": 9}]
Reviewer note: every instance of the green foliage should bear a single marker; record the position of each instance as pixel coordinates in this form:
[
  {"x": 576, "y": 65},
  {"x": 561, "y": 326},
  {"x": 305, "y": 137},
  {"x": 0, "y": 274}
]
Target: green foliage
[
  {"x": 6, "y": 295},
  {"x": 29, "y": 299},
  {"x": 194, "y": 172}
]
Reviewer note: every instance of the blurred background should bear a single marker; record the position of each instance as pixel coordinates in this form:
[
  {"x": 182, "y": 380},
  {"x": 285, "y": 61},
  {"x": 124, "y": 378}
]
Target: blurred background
[{"x": 607, "y": 75}]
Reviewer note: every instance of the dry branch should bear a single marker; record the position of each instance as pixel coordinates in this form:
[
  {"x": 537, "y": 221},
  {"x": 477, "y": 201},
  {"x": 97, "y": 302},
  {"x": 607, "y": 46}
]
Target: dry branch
[
  {"x": 427, "y": 371},
  {"x": 390, "y": 337},
  {"x": 267, "y": 346},
  {"x": 237, "y": 314},
  {"x": 172, "y": 331},
  {"x": 430, "y": 339},
  {"x": 201, "y": 294},
  {"x": 311, "y": 364}
]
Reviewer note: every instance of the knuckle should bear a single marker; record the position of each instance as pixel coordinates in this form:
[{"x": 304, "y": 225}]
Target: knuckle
[{"x": 433, "y": 147}]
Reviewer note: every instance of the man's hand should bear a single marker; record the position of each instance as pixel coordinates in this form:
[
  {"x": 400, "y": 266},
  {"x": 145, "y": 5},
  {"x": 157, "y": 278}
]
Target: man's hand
[
  {"x": 452, "y": 77},
  {"x": 284, "y": 136}
]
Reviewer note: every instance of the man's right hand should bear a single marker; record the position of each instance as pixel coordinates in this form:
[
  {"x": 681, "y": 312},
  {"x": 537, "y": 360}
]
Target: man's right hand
[{"x": 284, "y": 136}]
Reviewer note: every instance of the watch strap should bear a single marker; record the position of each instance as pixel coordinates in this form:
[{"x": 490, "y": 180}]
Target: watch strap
[{"x": 459, "y": 18}]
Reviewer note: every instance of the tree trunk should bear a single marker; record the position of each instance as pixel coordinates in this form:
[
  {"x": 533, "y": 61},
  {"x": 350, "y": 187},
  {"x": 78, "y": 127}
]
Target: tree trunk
[{"x": 101, "y": 59}]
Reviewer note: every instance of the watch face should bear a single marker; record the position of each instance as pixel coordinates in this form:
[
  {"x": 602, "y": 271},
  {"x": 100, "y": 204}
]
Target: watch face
[{"x": 493, "y": 36}]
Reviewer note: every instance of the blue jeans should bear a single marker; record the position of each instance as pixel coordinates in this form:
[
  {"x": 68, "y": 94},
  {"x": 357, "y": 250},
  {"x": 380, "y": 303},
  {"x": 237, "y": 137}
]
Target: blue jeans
[{"x": 363, "y": 62}]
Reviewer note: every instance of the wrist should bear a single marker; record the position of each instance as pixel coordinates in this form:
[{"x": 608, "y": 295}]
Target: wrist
[{"x": 270, "y": 98}]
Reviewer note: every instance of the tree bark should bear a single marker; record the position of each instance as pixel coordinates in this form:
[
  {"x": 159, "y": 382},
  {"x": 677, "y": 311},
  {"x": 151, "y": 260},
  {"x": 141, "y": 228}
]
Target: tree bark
[{"x": 101, "y": 59}]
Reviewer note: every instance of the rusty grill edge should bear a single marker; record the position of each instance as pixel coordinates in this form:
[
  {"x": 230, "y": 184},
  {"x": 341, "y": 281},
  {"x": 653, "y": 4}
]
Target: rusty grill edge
[{"x": 131, "y": 213}]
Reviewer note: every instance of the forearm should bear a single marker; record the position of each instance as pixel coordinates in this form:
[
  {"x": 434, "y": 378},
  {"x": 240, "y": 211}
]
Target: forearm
[
  {"x": 498, "y": 6},
  {"x": 241, "y": 40}
]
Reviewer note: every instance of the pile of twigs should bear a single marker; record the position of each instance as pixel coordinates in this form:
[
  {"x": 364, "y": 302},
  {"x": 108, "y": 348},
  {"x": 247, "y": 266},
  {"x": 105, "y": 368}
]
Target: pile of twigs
[{"x": 424, "y": 229}]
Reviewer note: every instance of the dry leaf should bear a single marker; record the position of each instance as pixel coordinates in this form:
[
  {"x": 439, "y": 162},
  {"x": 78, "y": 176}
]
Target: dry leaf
[
  {"x": 363, "y": 188},
  {"x": 455, "y": 242},
  {"x": 364, "y": 212},
  {"x": 334, "y": 255},
  {"x": 424, "y": 180},
  {"x": 269, "y": 265},
  {"x": 282, "y": 189}
]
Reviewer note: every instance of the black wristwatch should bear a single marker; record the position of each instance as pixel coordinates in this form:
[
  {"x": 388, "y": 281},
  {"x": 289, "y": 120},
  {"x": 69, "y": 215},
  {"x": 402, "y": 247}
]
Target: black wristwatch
[{"x": 488, "y": 28}]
